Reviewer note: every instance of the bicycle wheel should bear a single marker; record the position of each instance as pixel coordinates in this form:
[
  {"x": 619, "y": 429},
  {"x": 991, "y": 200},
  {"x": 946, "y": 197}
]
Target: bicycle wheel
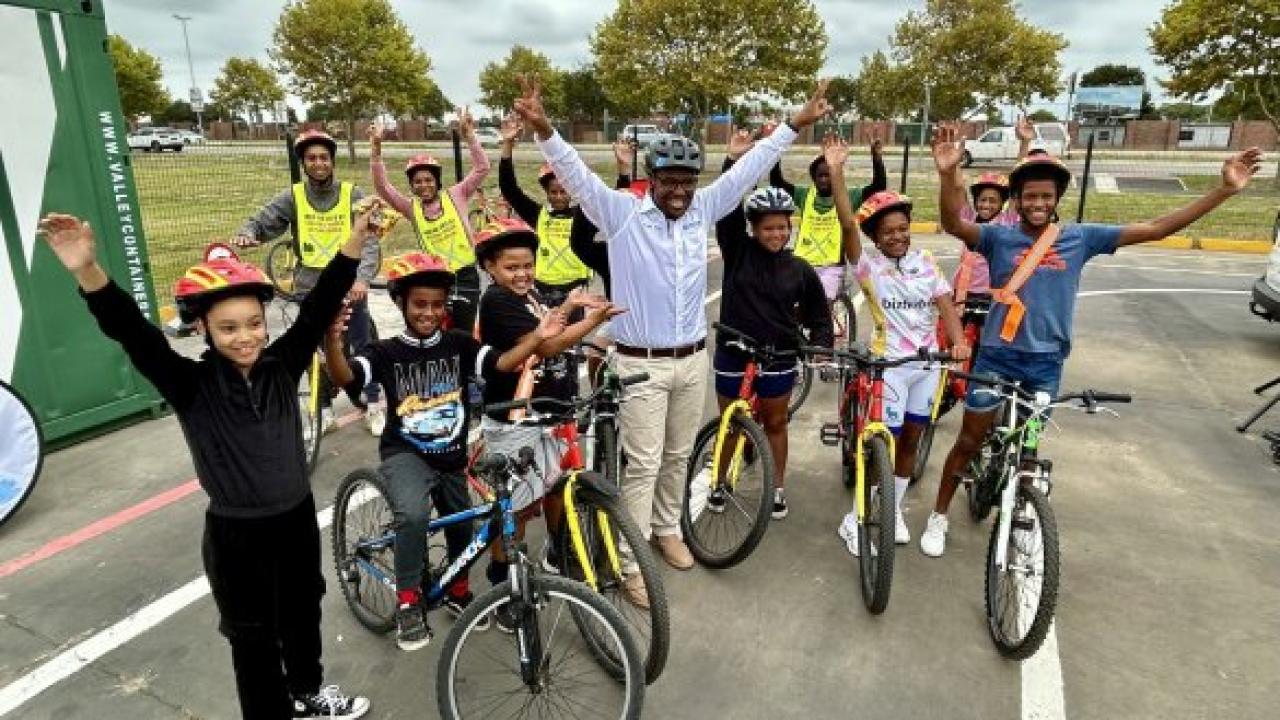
[
  {"x": 922, "y": 452},
  {"x": 723, "y": 519},
  {"x": 651, "y": 628},
  {"x": 605, "y": 458},
  {"x": 311, "y": 408},
  {"x": 845, "y": 320},
  {"x": 800, "y": 391},
  {"x": 1021, "y": 599},
  {"x": 478, "y": 673},
  {"x": 282, "y": 263},
  {"x": 21, "y": 451},
  {"x": 363, "y": 549},
  {"x": 876, "y": 527}
]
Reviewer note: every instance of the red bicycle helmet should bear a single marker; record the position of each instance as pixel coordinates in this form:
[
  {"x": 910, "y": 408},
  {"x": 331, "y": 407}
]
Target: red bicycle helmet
[
  {"x": 307, "y": 138},
  {"x": 416, "y": 269},
  {"x": 995, "y": 181},
  {"x": 1040, "y": 167},
  {"x": 877, "y": 206},
  {"x": 501, "y": 234},
  {"x": 422, "y": 161},
  {"x": 204, "y": 284}
]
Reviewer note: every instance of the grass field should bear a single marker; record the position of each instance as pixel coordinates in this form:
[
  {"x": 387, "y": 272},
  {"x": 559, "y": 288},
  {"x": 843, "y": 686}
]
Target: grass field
[{"x": 190, "y": 199}]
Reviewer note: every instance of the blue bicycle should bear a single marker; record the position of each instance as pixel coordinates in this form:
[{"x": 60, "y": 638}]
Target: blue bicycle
[{"x": 547, "y": 664}]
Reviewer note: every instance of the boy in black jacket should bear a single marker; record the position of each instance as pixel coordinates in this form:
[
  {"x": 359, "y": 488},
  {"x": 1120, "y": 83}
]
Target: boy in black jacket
[{"x": 238, "y": 409}]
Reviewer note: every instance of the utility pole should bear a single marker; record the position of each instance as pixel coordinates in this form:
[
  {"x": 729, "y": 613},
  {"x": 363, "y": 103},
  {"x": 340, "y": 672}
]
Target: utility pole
[
  {"x": 924, "y": 126},
  {"x": 197, "y": 101}
]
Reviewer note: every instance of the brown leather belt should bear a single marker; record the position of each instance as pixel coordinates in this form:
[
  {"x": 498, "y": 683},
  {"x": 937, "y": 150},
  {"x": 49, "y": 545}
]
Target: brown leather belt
[{"x": 667, "y": 352}]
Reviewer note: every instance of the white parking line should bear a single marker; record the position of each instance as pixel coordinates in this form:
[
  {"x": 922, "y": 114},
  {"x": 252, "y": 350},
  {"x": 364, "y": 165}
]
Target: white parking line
[{"x": 1042, "y": 682}]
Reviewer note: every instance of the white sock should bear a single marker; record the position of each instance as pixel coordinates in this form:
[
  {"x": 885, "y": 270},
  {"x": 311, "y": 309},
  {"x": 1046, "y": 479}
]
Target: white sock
[{"x": 900, "y": 491}]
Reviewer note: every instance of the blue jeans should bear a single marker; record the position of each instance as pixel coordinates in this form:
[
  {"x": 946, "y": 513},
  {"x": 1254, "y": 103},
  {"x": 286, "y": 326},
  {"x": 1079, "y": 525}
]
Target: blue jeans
[{"x": 1037, "y": 372}]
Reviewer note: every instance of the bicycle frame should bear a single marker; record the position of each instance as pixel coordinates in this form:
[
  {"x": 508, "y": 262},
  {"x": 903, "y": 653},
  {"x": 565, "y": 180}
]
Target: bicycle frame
[
  {"x": 867, "y": 390},
  {"x": 1015, "y": 438},
  {"x": 746, "y": 403}
]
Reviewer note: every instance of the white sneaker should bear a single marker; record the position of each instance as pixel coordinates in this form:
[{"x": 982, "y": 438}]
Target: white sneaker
[
  {"x": 933, "y": 542},
  {"x": 901, "y": 535},
  {"x": 328, "y": 423},
  {"x": 375, "y": 418},
  {"x": 848, "y": 531}
]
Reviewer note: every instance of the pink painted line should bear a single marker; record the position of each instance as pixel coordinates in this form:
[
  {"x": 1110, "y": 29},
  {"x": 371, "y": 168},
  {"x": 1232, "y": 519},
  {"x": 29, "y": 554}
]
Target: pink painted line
[{"x": 117, "y": 520}]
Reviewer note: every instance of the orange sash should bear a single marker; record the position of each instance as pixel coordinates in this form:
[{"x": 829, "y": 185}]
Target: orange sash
[
  {"x": 964, "y": 276},
  {"x": 1009, "y": 293}
]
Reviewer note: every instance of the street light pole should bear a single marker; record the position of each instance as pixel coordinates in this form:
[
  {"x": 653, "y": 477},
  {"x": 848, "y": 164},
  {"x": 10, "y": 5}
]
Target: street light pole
[{"x": 197, "y": 102}]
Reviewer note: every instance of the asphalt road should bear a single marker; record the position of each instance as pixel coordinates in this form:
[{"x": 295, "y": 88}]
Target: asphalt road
[{"x": 1170, "y": 582}]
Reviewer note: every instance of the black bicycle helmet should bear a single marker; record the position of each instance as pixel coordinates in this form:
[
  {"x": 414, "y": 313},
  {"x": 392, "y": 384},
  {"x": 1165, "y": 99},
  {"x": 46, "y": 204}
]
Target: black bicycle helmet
[
  {"x": 768, "y": 201},
  {"x": 1039, "y": 167},
  {"x": 673, "y": 152}
]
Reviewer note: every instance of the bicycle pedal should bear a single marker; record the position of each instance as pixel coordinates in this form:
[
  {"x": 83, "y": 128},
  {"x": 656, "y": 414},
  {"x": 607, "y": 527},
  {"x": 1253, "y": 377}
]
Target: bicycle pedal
[{"x": 830, "y": 434}]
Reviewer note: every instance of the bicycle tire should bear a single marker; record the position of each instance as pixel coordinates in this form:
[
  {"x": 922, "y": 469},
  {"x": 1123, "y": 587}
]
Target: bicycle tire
[
  {"x": 21, "y": 451},
  {"x": 844, "y": 304},
  {"x": 545, "y": 588},
  {"x": 922, "y": 452},
  {"x": 800, "y": 391},
  {"x": 651, "y": 629},
  {"x": 705, "y": 443},
  {"x": 1047, "y": 528},
  {"x": 372, "y": 602},
  {"x": 606, "y": 458},
  {"x": 312, "y": 415},
  {"x": 875, "y": 563},
  {"x": 281, "y": 264}
]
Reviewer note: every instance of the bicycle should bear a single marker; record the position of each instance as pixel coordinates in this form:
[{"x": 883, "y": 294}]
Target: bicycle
[
  {"x": 486, "y": 674},
  {"x": 867, "y": 453},
  {"x": 951, "y": 390},
  {"x": 21, "y": 451},
  {"x": 844, "y": 322},
  {"x": 721, "y": 501},
  {"x": 596, "y": 527},
  {"x": 1022, "y": 576}
]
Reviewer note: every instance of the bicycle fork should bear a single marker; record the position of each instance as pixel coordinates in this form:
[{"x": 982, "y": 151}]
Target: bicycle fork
[{"x": 577, "y": 537}]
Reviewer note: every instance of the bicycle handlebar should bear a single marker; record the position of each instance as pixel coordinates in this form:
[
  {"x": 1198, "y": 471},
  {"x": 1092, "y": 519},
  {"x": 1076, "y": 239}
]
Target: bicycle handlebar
[
  {"x": 751, "y": 346},
  {"x": 569, "y": 406},
  {"x": 860, "y": 355},
  {"x": 1090, "y": 398}
]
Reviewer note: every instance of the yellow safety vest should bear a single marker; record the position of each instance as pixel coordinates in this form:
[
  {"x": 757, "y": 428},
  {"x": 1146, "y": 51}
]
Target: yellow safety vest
[
  {"x": 321, "y": 234},
  {"x": 446, "y": 236},
  {"x": 819, "y": 241},
  {"x": 557, "y": 264}
]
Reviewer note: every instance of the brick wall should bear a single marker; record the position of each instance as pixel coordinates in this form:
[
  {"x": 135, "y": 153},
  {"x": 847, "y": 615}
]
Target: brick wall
[{"x": 1254, "y": 132}]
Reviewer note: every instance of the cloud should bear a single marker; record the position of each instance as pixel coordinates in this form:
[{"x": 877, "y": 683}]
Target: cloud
[{"x": 461, "y": 36}]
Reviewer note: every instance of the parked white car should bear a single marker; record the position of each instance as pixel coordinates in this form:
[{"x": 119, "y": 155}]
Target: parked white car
[
  {"x": 488, "y": 137},
  {"x": 191, "y": 137},
  {"x": 1001, "y": 144},
  {"x": 1266, "y": 291},
  {"x": 156, "y": 139},
  {"x": 642, "y": 134}
]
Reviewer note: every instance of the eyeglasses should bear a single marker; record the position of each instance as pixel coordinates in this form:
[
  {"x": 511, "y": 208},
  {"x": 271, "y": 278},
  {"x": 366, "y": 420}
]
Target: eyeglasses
[{"x": 682, "y": 183}]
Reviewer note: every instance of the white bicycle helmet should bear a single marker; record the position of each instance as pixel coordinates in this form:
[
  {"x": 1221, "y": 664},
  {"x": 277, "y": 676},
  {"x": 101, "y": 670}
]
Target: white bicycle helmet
[{"x": 768, "y": 201}]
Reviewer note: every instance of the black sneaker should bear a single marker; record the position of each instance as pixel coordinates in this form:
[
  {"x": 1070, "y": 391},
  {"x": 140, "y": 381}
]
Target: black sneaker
[
  {"x": 412, "y": 632},
  {"x": 779, "y": 504},
  {"x": 329, "y": 704},
  {"x": 456, "y": 605}
]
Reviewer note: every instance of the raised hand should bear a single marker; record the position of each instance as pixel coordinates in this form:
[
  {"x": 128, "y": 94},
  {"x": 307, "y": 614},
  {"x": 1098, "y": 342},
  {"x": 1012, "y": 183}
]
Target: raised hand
[
  {"x": 551, "y": 325},
  {"x": 815, "y": 109},
  {"x": 948, "y": 148},
  {"x": 623, "y": 148},
  {"x": 604, "y": 311},
  {"x": 364, "y": 214},
  {"x": 375, "y": 137},
  {"x": 511, "y": 129},
  {"x": 466, "y": 124},
  {"x": 835, "y": 151},
  {"x": 339, "y": 324},
  {"x": 1024, "y": 130},
  {"x": 70, "y": 239},
  {"x": 877, "y": 145},
  {"x": 529, "y": 107},
  {"x": 740, "y": 142},
  {"x": 1240, "y": 168}
]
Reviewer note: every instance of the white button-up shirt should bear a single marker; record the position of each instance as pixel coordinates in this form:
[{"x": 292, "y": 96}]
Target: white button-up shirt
[{"x": 658, "y": 267}]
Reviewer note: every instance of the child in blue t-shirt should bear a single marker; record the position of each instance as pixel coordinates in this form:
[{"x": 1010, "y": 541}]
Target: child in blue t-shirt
[{"x": 1042, "y": 340}]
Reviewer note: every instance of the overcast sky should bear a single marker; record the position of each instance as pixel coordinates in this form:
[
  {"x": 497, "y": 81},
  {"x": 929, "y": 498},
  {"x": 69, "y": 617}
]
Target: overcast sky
[{"x": 461, "y": 36}]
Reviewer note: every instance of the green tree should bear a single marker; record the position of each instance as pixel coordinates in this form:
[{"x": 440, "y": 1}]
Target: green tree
[
  {"x": 696, "y": 56},
  {"x": 355, "y": 56},
  {"x": 500, "y": 85},
  {"x": 433, "y": 105},
  {"x": 950, "y": 46},
  {"x": 245, "y": 88},
  {"x": 1042, "y": 115},
  {"x": 1112, "y": 74},
  {"x": 880, "y": 88},
  {"x": 138, "y": 77},
  {"x": 584, "y": 96},
  {"x": 1207, "y": 44},
  {"x": 178, "y": 112},
  {"x": 1185, "y": 111},
  {"x": 843, "y": 93}
]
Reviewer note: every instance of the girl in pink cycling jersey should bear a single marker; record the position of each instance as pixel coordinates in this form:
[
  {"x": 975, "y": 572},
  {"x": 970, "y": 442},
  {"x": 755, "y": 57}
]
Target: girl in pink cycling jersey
[{"x": 906, "y": 294}]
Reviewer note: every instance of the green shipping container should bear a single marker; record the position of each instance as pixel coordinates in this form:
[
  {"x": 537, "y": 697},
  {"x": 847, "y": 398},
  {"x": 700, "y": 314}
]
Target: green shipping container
[{"x": 63, "y": 147}]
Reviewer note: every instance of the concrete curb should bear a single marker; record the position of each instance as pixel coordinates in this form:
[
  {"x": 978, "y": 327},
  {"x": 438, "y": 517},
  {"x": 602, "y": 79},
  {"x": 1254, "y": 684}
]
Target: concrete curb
[{"x": 1173, "y": 242}]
